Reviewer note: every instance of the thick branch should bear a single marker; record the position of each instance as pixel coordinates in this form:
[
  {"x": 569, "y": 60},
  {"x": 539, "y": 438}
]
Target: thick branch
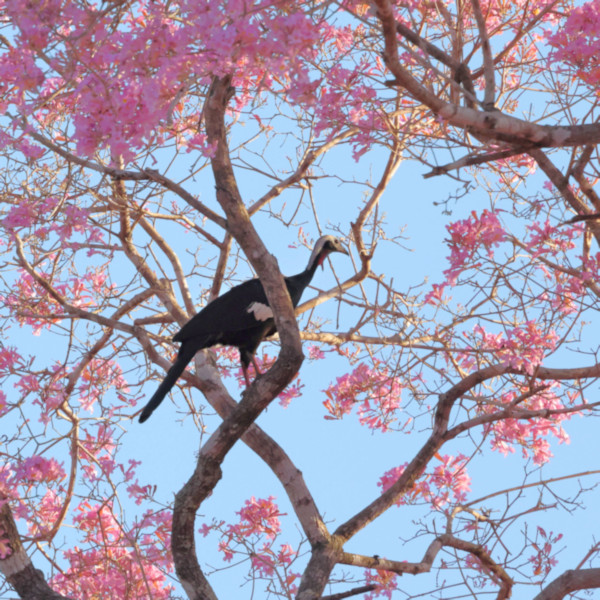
[
  {"x": 16, "y": 567},
  {"x": 570, "y": 581},
  {"x": 240, "y": 226},
  {"x": 396, "y": 566},
  {"x": 488, "y": 63},
  {"x": 490, "y": 125},
  {"x": 266, "y": 388},
  {"x": 207, "y": 380},
  {"x": 562, "y": 185},
  {"x": 440, "y": 435}
]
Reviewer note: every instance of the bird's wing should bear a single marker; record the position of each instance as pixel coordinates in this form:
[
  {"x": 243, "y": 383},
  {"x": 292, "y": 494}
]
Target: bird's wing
[{"x": 242, "y": 307}]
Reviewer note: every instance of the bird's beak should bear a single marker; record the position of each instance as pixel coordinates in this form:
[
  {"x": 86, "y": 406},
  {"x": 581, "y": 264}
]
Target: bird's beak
[{"x": 340, "y": 249}]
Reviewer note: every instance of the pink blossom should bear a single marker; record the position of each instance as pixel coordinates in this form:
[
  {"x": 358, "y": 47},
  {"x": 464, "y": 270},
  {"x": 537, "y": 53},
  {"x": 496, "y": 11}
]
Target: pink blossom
[
  {"x": 468, "y": 237},
  {"x": 376, "y": 394},
  {"x": 448, "y": 482},
  {"x": 577, "y": 42},
  {"x": 9, "y": 359},
  {"x": 5, "y": 547},
  {"x": 37, "y": 468},
  {"x": 315, "y": 352},
  {"x": 259, "y": 516},
  {"x": 386, "y": 581},
  {"x": 530, "y": 434},
  {"x": 543, "y": 560}
]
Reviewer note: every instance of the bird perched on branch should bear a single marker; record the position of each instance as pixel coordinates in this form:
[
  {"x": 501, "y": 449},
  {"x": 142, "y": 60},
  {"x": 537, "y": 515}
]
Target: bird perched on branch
[{"x": 241, "y": 317}]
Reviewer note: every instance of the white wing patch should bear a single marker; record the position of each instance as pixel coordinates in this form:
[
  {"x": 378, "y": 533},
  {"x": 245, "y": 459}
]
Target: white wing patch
[{"x": 261, "y": 311}]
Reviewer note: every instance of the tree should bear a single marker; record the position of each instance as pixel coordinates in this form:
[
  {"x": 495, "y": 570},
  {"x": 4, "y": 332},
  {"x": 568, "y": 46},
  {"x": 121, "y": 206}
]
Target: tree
[{"x": 157, "y": 153}]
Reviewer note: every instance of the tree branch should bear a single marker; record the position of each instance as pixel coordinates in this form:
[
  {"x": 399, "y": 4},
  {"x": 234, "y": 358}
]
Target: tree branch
[
  {"x": 489, "y": 125},
  {"x": 570, "y": 581},
  {"x": 264, "y": 389},
  {"x": 562, "y": 185},
  {"x": 363, "y": 589},
  {"x": 16, "y": 566},
  {"x": 488, "y": 63},
  {"x": 471, "y": 160}
]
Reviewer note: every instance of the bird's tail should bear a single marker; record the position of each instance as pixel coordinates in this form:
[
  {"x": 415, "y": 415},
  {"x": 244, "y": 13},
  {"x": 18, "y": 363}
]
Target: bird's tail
[{"x": 183, "y": 358}]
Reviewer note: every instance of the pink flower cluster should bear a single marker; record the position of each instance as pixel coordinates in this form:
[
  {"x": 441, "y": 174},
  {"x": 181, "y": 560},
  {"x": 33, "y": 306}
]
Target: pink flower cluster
[
  {"x": 569, "y": 285},
  {"x": 523, "y": 347},
  {"x": 386, "y": 582},
  {"x": 376, "y": 393},
  {"x": 123, "y": 563},
  {"x": 530, "y": 434},
  {"x": 33, "y": 305},
  {"x": 34, "y": 486},
  {"x": 467, "y": 238},
  {"x": 447, "y": 483},
  {"x": 45, "y": 216},
  {"x": 577, "y": 43},
  {"x": 544, "y": 560},
  {"x": 98, "y": 378},
  {"x": 118, "y": 74},
  {"x": 254, "y": 535}
]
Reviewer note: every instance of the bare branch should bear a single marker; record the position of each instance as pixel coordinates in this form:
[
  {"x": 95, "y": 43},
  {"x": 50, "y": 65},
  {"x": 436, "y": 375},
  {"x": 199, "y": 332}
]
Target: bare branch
[
  {"x": 486, "y": 561},
  {"x": 363, "y": 589},
  {"x": 488, "y": 63},
  {"x": 471, "y": 160}
]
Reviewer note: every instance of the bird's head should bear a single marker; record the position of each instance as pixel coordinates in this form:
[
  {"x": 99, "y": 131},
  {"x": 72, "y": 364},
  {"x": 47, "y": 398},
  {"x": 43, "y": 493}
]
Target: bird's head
[{"x": 325, "y": 245}]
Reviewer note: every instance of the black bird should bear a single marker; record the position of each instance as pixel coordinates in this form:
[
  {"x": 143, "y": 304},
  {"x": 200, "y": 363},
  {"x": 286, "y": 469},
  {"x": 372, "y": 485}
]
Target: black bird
[{"x": 240, "y": 317}]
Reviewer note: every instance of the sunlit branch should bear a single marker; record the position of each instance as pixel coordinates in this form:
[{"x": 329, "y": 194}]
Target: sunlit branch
[
  {"x": 174, "y": 260},
  {"x": 75, "y": 311},
  {"x": 488, "y": 564},
  {"x": 307, "y": 161},
  {"x": 490, "y": 125},
  {"x": 517, "y": 413},
  {"x": 396, "y": 566},
  {"x": 523, "y": 486},
  {"x": 562, "y": 184},
  {"x": 488, "y": 63},
  {"x": 185, "y": 195},
  {"x": 474, "y": 159},
  {"x": 161, "y": 287},
  {"x": 128, "y": 175},
  {"x": 224, "y": 250}
]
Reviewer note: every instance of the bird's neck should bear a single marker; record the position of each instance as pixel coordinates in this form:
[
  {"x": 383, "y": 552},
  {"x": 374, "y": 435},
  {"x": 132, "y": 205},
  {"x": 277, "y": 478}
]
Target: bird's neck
[
  {"x": 297, "y": 283},
  {"x": 303, "y": 278}
]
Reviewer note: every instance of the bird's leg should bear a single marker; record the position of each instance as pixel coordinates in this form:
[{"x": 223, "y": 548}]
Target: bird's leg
[
  {"x": 245, "y": 371},
  {"x": 256, "y": 369}
]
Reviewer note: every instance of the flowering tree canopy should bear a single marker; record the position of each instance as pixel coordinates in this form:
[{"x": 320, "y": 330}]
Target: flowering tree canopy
[{"x": 157, "y": 153}]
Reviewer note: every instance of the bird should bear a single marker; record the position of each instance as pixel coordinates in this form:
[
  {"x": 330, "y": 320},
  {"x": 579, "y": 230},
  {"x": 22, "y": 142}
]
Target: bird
[{"x": 240, "y": 317}]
